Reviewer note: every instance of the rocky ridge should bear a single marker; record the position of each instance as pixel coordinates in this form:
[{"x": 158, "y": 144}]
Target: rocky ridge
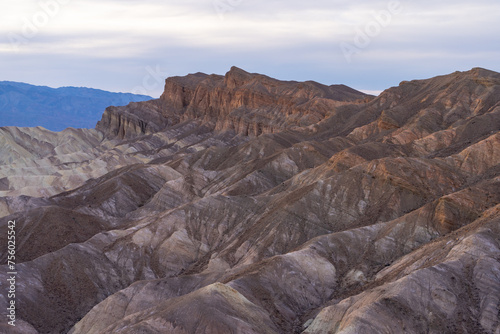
[
  {"x": 243, "y": 204},
  {"x": 246, "y": 103}
]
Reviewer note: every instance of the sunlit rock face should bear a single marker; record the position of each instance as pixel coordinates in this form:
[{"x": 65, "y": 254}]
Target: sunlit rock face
[
  {"x": 245, "y": 103},
  {"x": 244, "y": 204}
]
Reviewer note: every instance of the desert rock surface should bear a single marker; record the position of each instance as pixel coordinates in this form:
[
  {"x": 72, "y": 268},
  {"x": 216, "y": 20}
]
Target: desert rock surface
[{"x": 245, "y": 204}]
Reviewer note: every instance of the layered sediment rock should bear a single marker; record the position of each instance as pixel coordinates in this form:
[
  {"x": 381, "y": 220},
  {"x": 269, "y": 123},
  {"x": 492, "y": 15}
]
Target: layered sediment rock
[
  {"x": 245, "y": 103},
  {"x": 340, "y": 215}
]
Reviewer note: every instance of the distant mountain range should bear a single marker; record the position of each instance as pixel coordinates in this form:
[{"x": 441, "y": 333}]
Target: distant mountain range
[{"x": 55, "y": 109}]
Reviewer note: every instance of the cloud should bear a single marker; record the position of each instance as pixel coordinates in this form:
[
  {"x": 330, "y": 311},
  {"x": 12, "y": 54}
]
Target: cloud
[{"x": 298, "y": 40}]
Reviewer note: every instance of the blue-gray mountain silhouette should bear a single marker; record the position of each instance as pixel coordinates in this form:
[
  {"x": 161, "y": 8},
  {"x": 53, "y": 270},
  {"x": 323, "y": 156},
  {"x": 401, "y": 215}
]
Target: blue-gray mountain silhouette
[{"x": 55, "y": 109}]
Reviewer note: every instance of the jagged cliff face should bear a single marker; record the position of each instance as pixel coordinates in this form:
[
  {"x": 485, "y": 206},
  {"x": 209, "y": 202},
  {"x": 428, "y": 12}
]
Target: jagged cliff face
[
  {"x": 342, "y": 214},
  {"x": 245, "y": 103}
]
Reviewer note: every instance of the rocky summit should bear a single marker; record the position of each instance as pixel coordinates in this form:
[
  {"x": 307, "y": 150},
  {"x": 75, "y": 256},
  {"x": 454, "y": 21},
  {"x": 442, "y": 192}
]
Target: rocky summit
[{"x": 245, "y": 204}]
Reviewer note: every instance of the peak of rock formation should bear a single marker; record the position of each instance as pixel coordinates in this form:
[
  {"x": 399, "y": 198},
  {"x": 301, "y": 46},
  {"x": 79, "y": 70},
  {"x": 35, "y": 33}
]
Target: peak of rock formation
[{"x": 245, "y": 204}]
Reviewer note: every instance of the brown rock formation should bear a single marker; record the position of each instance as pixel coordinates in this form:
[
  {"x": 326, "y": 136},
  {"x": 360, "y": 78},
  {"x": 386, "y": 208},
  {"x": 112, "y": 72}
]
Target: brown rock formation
[
  {"x": 245, "y": 103},
  {"x": 334, "y": 214}
]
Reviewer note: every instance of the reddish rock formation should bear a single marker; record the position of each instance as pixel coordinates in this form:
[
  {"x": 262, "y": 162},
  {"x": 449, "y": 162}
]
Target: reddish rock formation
[{"x": 245, "y": 103}]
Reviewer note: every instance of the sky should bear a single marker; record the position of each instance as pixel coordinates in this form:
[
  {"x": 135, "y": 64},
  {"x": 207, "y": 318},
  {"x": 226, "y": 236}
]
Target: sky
[{"x": 132, "y": 45}]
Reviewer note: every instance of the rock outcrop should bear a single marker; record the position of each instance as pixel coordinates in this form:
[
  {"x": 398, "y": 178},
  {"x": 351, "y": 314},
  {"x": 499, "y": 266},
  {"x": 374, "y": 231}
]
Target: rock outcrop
[
  {"x": 245, "y": 103},
  {"x": 342, "y": 214}
]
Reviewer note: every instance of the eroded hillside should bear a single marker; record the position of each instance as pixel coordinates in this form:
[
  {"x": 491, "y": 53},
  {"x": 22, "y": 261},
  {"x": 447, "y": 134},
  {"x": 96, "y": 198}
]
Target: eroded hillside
[{"x": 244, "y": 204}]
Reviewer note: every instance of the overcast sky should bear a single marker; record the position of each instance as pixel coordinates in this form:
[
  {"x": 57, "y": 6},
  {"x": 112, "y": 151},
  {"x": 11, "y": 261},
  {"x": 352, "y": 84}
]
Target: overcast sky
[{"x": 132, "y": 45}]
